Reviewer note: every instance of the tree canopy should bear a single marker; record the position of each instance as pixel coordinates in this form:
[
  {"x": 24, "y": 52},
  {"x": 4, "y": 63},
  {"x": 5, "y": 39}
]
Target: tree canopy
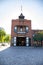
[
  {"x": 3, "y": 36},
  {"x": 38, "y": 37},
  {"x": 7, "y": 38}
]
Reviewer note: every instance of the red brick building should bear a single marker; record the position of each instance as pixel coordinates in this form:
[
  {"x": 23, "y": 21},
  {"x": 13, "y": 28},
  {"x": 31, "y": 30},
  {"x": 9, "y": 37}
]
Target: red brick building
[{"x": 21, "y": 32}]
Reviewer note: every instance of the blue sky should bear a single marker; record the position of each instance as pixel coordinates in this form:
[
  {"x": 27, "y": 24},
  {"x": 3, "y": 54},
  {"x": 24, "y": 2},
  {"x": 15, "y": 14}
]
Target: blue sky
[{"x": 11, "y": 9}]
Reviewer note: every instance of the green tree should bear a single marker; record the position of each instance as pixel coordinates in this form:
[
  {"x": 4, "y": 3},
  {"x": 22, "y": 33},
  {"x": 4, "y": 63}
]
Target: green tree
[
  {"x": 7, "y": 38},
  {"x": 2, "y": 34},
  {"x": 38, "y": 37}
]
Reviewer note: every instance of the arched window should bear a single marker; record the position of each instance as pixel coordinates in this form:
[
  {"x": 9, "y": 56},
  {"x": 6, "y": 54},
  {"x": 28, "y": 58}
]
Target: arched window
[
  {"x": 21, "y": 29},
  {"x": 27, "y": 29},
  {"x": 15, "y": 29}
]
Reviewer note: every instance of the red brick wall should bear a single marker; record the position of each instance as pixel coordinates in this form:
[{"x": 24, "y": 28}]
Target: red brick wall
[{"x": 25, "y": 23}]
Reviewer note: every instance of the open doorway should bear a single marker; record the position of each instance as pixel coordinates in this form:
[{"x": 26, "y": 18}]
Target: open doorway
[{"x": 21, "y": 41}]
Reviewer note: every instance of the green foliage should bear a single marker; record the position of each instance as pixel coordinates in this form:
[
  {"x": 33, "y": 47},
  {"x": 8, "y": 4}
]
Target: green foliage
[
  {"x": 7, "y": 38},
  {"x": 38, "y": 37},
  {"x": 2, "y": 34},
  {"x": 4, "y": 37}
]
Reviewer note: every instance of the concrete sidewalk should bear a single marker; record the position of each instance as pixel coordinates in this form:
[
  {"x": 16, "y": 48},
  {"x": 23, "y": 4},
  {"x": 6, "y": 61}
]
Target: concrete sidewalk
[{"x": 4, "y": 47}]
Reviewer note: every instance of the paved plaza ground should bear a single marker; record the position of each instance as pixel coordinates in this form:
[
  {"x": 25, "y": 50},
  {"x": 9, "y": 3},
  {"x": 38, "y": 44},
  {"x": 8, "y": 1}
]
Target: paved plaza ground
[{"x": 21, "y": 56}]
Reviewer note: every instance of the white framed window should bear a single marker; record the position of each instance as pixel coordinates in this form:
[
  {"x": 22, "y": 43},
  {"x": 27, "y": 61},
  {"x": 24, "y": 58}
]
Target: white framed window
[
  {"x": 21, "y": 29},
  {"x": 27, "y": 38},
  {"x": 15, "y": 38},
  {"x": 14, "y": 41},
  {"x": 27, "y": 41},
  {"x": 15, "y": 29},
  {"x": 27, "y": 29}
]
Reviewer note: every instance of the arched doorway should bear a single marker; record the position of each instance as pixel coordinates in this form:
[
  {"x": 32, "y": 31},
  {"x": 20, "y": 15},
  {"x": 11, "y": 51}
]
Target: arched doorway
[{"x": 21, "y": 41}]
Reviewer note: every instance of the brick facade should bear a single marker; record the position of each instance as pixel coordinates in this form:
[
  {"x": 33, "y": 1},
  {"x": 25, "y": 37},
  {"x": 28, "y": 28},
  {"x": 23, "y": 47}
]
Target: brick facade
[{"x": 21, "y": 24}]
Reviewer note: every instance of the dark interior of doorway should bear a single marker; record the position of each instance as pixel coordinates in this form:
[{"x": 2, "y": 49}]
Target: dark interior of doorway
[
  {"x": 21, "y": 41},
  {"x": 29, "y": 41}
]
